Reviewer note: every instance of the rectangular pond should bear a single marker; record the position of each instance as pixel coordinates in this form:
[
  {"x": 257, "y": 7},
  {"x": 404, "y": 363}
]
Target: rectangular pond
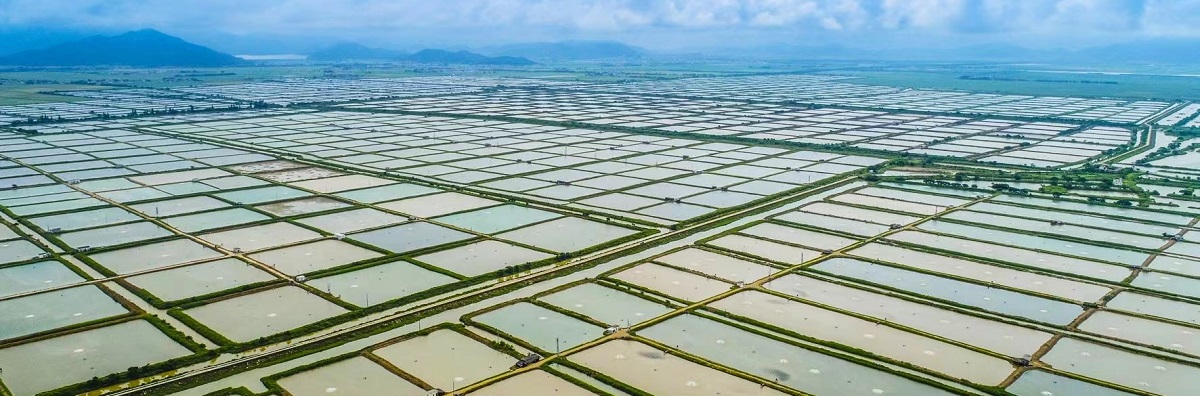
[
  {"x": 780, "y": 362},
  {"x": 541, "y": 327},
  {"x": 260, "y": 236},
  {"x": 606, "y": 304},
  {"x": 205, "y": 221},
  {"x": 568, "y": 234},
  {"x": 35, "y": 276},
  {"x": 980, "y": 296},
  {"x": 1042, "y": 383},
  {"x": 482, "y": 257},
  {"x": 1144, "y": 331},
  {"x": 938, "y": 356},
  {"x": 411, "y": 236},
  {"x": 1032, "y": 242},
  {"x": 115, "y": 235},
  {"x": 446, "y": 359},
  {"x": 1130, "y": 369},
  {"x": 352, "y": 220},
  {"x": 380, "y": 283},
  {"x": 1066, "y": 230},
  {"x": 50, "y": 310},
  {"x": 533, "y": 383},
  {"x": 983, "y": 333},
  {"x": 199, "y": 279},
  {"x": 773, "y": 251},
  {"x": 1066, "y": 288},
  {"x": 797, "y": 236},
  {"x": 77, "y": 357},
  {"x": 1156, "y": 306},
  {"x": 672, "y": 282},
  {"x": 314, "y": 256},
  {"x": 498, "y": 218},
  {"x": 1074, "y": 218},
  {"x": 246, "y": 317},
  {"x": 155, "y": 255},
  {"x": 839, "y": 224},
  {"x": 653, "y": 371},
  {"x": 353, "y": 376},
  {"x": 1029, "y": 258},
  {"x": 857, "y": 213},
  {"x": 717, "y": 265}
]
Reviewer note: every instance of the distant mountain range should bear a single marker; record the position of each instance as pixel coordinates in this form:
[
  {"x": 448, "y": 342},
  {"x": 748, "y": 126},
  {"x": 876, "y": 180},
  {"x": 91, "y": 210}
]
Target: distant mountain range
[
  {"x": 464, "y": 58},
  {"x": 568, "y": 50},
  {"x": 353, "y": 51},
  {"x": 150, "y": 48},
  {"x": 359, "y": 52},
  {"x": 141, "y": 48}
]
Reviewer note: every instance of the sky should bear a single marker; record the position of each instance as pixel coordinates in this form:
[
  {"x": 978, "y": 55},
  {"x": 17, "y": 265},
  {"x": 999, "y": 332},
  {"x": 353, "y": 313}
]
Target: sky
[{"x": 652, "y": 24}]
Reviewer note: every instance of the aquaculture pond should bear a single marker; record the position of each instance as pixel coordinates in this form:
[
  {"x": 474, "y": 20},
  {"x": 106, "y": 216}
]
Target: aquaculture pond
[
  {"x": 1066, "y": 230},
  {"x": 314, "y": 256},
  {"x": 497, "y": 219},
  {"x": 1144, "y": 331},
  {"x": 839, "y": 224},
  {"x": 855, "y": 213},
  {"x": 114, "y": 235},
  {"x": 797, "y": 236},
  {"x": 77, "y": 357},
  {"x": 773, "y": 251},
  {"x": 438, "y": 204},
  {"x": 1026, "y": 280},
  {"x": 672, "y": 282},
  {"x": 199, "y": 279},
  {"x": 380, "y": 283},
  {"x": 1125, "y": 368},
  {"x": 35, "y": 276},
  {"x": 1004, "y": 338},
  {"x": 1156, "y": 306},
  {"x": 446, "y": 359},
  {"x": 655, "y": 372},
  {"x": 249, "y": 316},
  {"x": 204, "y": 221},
  {"x": 533, "y": 383},
  {"x": 975, "y": 295},
  {"x": 780, "y": 362},
  {"x": 567, "y": 234},
  {"x": 606, "y": 304},
  {"x": 541, "y": 327},
  {"x": 1029, "y": 258},
  {"x": 1032, "y": 242},
  {"x": 352, "y": 220},
  {"x": 1074, "y": 218},
  {"x": 1041, "y": 383},
  {"x": 53, "y": 309},
  {"x": 717, "y": 265},
  {"x": 354, "y": 376},
  {"x": 482, "y": 257},
  {"x": 821, "y": 324},
  {"x": 411, "y": 236},
  {"x": 260, "y": 236}
]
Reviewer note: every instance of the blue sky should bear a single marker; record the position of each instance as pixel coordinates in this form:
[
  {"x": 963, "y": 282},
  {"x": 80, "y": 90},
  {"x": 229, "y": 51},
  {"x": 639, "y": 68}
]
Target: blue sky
[{"x": 655, "y": 24}]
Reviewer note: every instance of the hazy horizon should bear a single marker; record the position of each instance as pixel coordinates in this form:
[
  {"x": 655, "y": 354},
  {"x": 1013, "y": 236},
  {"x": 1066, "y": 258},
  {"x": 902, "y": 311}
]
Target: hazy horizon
[{"x": 655, "y": 25}]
